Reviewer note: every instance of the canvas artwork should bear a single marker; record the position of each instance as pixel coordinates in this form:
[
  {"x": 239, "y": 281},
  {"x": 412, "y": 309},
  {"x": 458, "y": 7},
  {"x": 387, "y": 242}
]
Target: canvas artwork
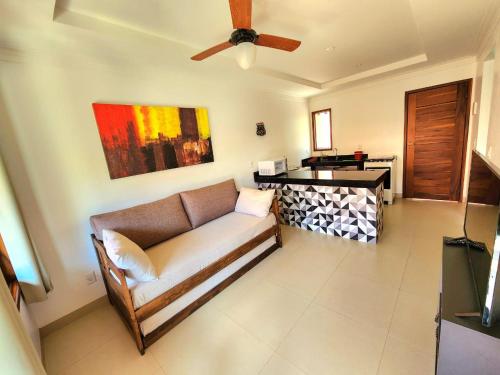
[{"x": 140, "y": 139}]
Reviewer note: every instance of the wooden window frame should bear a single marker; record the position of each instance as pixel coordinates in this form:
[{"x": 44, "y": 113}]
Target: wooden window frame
[{"x": 313, "y": 125}]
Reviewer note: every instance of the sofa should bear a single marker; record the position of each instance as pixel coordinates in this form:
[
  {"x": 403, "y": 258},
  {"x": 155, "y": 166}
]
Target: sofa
[{"x": 198, "y": 244}]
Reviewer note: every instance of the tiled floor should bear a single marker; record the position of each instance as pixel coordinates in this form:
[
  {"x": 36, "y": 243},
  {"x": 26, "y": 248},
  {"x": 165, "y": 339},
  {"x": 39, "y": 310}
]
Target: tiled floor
[{"x": 320, "y": 305}]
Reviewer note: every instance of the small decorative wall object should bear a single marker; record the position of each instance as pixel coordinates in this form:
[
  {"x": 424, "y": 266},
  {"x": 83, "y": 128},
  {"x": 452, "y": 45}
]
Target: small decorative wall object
[
  {"x": 261, "y": 129},
  {"x": 142, "y": 139}
]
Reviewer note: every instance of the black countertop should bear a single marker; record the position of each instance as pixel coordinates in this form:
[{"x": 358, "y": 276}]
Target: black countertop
[
  {"x": 367, "y": 179},
  {"x": 316, "y": 162}
]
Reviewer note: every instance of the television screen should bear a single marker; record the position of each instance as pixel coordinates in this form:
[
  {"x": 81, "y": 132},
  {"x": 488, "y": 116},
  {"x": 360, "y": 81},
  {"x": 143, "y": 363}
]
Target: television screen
[{"x": 482, "y": 228}]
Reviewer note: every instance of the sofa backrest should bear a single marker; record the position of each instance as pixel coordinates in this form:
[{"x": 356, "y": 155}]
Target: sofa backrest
[
  {"x": 209, "y": 203},
  {"x": 146, "y": 224}
]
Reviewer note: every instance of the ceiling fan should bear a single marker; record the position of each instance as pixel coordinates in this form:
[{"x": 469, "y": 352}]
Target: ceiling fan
[{"x": 245, "y": 38}]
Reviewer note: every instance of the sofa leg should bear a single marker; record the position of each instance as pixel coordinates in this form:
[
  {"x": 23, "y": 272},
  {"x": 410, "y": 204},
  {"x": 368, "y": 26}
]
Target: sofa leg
[
  {"x": 279, "y": 240},
  {"x": 140, "y": 344},
  {"x": 136, "y": 334}
]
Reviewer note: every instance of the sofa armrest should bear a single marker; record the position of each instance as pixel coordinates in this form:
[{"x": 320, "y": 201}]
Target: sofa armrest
[
  {"x": 111, "y": 272},
  {"x": 118, "y": 292}
]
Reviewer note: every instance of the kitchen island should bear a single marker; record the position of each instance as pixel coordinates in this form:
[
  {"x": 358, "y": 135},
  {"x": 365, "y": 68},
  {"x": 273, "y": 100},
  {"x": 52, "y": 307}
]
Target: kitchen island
[{"x": 347, "y": 204}]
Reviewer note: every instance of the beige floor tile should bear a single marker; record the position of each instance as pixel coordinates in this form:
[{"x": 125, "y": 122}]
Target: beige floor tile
[
  {"x": 324, "y": 342},
  {"x": 429, "y": 248},
  {"x": 264, "y": 309},
  {"x": 401, "y": 216},
  {"x": 393, "y": 245},
  {"x": 440, "y": 218},
  {"x": 119, "y": 356},
  {"x": 397, "y": 227},
  {"x": 306, "y": 265},
  {"x": 277, "y": 365},
  {"x": 422, "y": 277},
  {"x": 359, "y": 298},
  {"x": 399, "y": 358},
  {"x": 368, "y": 264},
  {"x": 293, "y": 233},
  {"x": 73, "y": 342},
  {"x": 413, "y": 321},
  {"x": 209, "y": 342},
  {"x": 301, "y": 277}
]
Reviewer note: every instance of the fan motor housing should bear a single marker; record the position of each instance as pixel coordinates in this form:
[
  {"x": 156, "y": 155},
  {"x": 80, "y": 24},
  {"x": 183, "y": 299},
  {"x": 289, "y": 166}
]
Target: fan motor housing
[{"x": 243, "y": 35}]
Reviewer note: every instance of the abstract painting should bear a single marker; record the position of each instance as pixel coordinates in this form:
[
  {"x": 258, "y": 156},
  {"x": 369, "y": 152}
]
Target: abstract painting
[{"x": 141, "y": 139}]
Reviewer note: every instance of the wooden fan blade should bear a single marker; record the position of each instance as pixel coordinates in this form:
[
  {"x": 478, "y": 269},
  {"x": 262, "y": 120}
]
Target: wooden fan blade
[
  {"x": 241, "y": 13},
  {"x": 212, "y": 51},
  {"x": 277, "y": 42}
]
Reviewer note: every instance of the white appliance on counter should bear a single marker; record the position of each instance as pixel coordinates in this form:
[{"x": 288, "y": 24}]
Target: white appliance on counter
[
  {"x": 272, "y": 167},
  {"x": 388, "y": 163}
]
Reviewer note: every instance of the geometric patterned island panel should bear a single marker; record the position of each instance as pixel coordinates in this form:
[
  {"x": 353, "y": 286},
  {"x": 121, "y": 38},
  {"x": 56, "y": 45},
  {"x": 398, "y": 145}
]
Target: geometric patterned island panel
[{"x": 348, "y": 212}]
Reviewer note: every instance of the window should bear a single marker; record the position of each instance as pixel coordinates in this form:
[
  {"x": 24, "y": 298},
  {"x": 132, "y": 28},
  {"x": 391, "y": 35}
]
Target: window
[{"x": 322, "y": 130}]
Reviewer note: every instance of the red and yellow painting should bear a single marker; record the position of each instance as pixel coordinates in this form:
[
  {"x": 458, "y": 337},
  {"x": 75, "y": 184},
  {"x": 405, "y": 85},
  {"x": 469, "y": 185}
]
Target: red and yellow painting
[{"x": 140, "y": 139}]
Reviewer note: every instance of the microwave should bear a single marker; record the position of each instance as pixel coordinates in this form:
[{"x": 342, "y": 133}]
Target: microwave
[{"x": 272, "y": 167}]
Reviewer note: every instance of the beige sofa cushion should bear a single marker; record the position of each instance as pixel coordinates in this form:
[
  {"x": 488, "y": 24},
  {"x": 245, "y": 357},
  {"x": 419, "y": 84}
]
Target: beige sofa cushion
[
  {"x": 181, "y": 257},
  {"x": 209, "y": 203},
  {"x": 147, "y": 224}
]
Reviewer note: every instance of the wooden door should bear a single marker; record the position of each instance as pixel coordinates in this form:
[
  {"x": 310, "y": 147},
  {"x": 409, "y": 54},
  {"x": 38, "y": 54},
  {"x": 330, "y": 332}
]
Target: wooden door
[{"x": 436, "y": 140}]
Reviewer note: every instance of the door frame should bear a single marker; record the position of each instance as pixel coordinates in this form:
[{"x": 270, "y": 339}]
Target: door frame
[{"x": 469, "y": 82}]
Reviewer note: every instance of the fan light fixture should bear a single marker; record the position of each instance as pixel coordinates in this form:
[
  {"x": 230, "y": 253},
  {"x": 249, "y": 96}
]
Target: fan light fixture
[
  {"x": 245, "y": 54},
  {"x": 244, "y": 38}
]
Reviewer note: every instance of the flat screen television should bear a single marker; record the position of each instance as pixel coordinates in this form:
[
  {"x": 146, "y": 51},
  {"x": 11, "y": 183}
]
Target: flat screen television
[{"x": 482, "y": 232}]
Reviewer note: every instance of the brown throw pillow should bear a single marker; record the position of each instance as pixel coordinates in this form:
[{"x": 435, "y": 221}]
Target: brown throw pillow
[
  {"x": 147, "y": 224},
  {"x": 209, "y": 203}
]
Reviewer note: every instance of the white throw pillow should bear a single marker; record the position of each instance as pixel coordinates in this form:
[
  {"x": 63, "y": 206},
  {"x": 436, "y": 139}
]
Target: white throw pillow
[
  {"x": 127, "y": 255},
  {"x": 254, "y": 202}
]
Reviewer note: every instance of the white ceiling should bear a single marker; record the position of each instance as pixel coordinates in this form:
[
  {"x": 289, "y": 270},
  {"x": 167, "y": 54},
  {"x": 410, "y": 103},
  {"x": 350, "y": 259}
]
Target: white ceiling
[{"x": 366, "y": 35}]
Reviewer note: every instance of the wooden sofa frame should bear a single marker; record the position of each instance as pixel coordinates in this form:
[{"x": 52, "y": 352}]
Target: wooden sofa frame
[{"x": 119, "y": 294}]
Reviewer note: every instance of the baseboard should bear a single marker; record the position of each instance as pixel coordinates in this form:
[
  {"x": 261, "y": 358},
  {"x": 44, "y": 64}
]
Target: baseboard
[
  {"x": 398, "y": 195},
  {"x": 72, "y": 316}
]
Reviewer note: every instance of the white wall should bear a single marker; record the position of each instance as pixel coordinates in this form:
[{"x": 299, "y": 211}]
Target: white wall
[
  {"x": 18, "y": 355},
  {"x": 485, "y": 101},
  {"x": 371, "y": 115},
  {"x": 30, "y": 326},
  {"x": 493, "y": 143},
  {"x": 48, "y": 110},
  {"x": 486, "y": 126}
]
